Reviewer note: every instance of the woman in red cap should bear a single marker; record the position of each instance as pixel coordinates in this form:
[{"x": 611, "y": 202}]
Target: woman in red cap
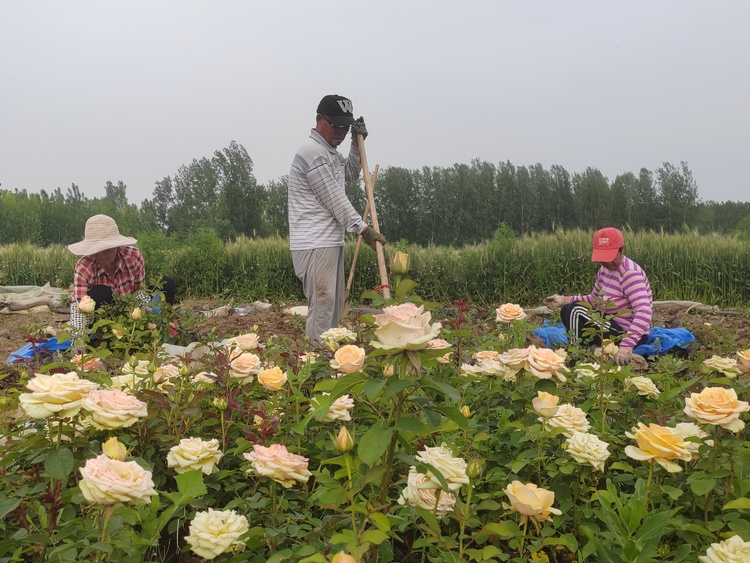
[{"x": 621, "y": 292}]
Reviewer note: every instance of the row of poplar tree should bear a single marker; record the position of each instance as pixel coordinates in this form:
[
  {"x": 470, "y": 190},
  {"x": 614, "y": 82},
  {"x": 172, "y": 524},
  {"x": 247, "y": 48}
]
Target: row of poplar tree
[{"x": 459, "y": 205}]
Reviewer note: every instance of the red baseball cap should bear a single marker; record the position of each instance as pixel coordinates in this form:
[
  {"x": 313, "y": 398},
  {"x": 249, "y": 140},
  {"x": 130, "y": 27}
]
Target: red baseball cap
[{"x": 607, "y": 243}]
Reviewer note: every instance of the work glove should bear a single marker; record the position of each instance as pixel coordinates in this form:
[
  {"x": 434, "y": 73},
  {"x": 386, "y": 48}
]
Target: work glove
[
  {"x": 623, "y": 357},
  {"x": 556, "y": 300},
  {"x": 359, "y": 128},
  {"x": 371, "y": 236}
]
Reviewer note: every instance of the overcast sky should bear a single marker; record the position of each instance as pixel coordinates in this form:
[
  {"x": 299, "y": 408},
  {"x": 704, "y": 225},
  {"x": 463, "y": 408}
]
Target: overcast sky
[{"x": 92, "y": 91}]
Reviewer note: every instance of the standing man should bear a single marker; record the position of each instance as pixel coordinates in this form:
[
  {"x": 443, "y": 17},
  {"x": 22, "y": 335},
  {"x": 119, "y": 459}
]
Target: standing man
[
  {"x": 320, "y": 213},
  {"x": 621, "y": 292}
]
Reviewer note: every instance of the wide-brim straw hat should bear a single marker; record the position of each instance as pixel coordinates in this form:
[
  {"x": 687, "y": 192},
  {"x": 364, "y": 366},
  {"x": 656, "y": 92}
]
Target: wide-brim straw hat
[{"x": 101, "y": 234}]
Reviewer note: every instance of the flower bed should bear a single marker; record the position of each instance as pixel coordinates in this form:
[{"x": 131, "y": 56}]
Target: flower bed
[{"x": 404, "y": 440}]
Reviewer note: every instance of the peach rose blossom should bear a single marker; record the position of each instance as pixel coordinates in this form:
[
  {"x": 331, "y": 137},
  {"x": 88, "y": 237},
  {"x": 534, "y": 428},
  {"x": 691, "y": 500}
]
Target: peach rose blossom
[
  {"x": 453, "y": 469},
  {"x": 92, "y": 364},
  {"x": 438, "y": 344},
  {"x": 277, "y": 463},
  {"x": 531, "y": 502},
  {"x": 643, "y": 385},
  {"x": 273, "y": 379},
  {"x": 743, "y": 360},
  {"x": 515, "y": 358},
  {"x": 86, "y": 304},
  {"x": 545, "y": 404},
  {"x": 109, "y": 481},
  {"x": 444, "y": 359},
  {"x": 486, "y": 355},
  {"x": 732, "y": 550},
  {"x": 213, "y": 532},
  {"x": 587, "y": 448},
  {"x": 57, "y": 394},
  {"x": 419, "y": 492},
  {"x": 111, "y": 408},
  {"x": 692, "y": 430},
  {"x": 404, "y": 327},
  {"x": 727, "y": 366},
  {"x": 570, "y": 418},
  {"x": 509, "y": 312},
  {"x": 194, "y": 453},
  {"x": 717, "y": 405},
  {"x": 660, "y": 444},
  {"x": 244, "y": 342},
  {"x": 348, "y": 359},
  {"x": 244, "y": 366},
  {"x": 545, "y": 363}
]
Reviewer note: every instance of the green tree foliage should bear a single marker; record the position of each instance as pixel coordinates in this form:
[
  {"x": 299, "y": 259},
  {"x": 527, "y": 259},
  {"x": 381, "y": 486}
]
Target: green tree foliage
[{"x": 454, "y": 206}]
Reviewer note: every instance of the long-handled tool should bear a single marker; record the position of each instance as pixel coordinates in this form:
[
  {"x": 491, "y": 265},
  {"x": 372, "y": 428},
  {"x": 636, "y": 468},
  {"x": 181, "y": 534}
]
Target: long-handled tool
[
  {"x": 374, "y": 216},
  {"x": 365, "y": 215}
]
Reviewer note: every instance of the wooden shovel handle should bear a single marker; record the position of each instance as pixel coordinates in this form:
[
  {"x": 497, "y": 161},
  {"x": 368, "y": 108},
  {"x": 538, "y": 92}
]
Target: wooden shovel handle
[
  {"x": 365, "y": 215},
  {"x": 374, "y": 216}
]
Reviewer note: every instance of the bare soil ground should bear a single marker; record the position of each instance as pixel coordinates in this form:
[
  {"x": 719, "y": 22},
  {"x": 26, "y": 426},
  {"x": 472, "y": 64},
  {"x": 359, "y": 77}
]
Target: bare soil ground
[{"x": 15, "y": 328}]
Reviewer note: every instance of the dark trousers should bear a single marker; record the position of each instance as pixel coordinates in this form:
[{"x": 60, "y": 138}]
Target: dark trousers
[
  {"x": 102, "y": 294},
  {"x": 577, "y": 317}
]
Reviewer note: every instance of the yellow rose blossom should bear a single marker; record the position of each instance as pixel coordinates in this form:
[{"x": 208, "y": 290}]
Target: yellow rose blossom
[
  {"x": 273, "y": 378},
  {"x": 545, "y": 404},
  {"x": 660, "y": 444},
  {"x": 531, "y": 502}
]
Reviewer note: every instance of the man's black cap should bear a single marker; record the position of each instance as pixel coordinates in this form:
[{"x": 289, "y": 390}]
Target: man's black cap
[{"x": 337, "y": 109}]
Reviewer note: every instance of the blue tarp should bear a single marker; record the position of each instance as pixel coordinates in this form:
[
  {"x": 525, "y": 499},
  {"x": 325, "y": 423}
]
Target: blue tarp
[
  {"x": 660, "y": 340},
  {"x": 26, "y": 352}
]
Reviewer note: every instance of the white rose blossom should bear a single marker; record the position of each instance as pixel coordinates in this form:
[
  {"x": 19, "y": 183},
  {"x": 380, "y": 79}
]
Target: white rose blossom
[
  {"x": 244, "y": 342},
  {"x": 194, "y": 453},
  {"x": 109, "y": 481},
  {"x": 587, "y": 448},
  {"x": 726, "y": 366},
  {"x": 431, "y": 499},
  {"x": 587, "y": 371},
  {"x": 692, "y": 430},
  {"x": 213, "y": 532},
  {"x": 453, "y": 469},
  {"x": 58, "y": 394},
  {"x": 732, "y": 550},
  {"x": 643, "y": 385},
  {"x": 339, "y": 409},
  {"x": 570, "y": 418},
  {"x": 404, "y": 327}
]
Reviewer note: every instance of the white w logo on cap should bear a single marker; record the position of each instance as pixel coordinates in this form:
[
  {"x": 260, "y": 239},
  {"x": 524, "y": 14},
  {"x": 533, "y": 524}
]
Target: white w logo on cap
[{"x": 346, "y": 106}]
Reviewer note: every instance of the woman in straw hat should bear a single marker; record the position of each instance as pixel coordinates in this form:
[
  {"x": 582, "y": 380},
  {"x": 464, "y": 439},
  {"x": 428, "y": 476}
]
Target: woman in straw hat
[{"x": 109, "y": 265}]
